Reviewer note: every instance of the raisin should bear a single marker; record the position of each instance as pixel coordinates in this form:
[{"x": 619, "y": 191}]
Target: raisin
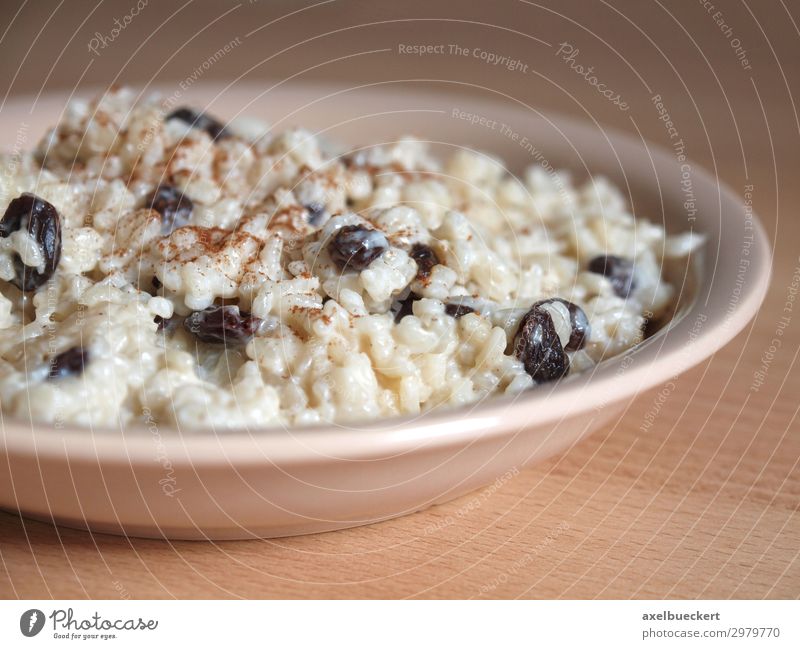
[
  {"x": 579, "y": 324},
  {"x": 222, "y": 324},
  {"x": 650, "y": 327},
  {"x": 402, "y": 308},
  {"x": 200, "y": 120},
  {"x": 538, "y": 346},
  {"x": 426, "y": 259},
  {"x": 354, "y": 159},
  {"x": 315, "y": 213},
  {"x": 43, "y": 224},
  {"x": 174, "y": 207},
  {"x": 167, "y": 325},
  {"x": 618, "y": 270},
  {"x": 355, "y": 247},
  {"x": 457, "y": 310},
  {"x": 69, "y": 363},
  {"x": 156, "y": 283}
]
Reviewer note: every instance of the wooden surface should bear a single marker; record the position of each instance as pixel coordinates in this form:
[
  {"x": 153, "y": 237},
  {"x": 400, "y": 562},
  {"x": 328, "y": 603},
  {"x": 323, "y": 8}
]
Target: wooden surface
[{"x": 702, "y": 504}]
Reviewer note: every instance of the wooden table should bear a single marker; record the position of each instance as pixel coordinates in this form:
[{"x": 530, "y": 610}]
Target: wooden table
[{"x": 704, "y": 503}]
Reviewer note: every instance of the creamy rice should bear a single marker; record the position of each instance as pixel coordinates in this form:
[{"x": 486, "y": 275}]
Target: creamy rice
[{"x": 369, "y": 283}]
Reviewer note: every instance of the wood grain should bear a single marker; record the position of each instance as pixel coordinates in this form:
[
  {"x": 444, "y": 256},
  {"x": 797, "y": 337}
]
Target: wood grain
[{"x": 703, "y": 504}]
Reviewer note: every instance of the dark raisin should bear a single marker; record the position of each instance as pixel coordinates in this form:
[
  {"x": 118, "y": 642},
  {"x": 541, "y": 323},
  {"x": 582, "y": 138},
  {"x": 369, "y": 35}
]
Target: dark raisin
[
  {"x": 69, "y": 363},
  {"x": 618, "y": 270},
  {"x": 651, "y": 326},
  {"x": 538, "y": 347},
  {"x": 200, "y": 120},
  {"x": 579, "y": 324},
  {"x": 354, "y": 159},
  {"x": 355, "y": 247},
  {"x": 167, "y": 325},
  {"x": 457, "y": 310},
  {"x": 43, "y": 225},
  {"x": 315, "y": 213},
  {"x": 402, "y": 308},
  {"x": 222, "y": 324},
  {"x": 156, "y": 283},
  {"x": 426, "y": 259},
  {"x": 174, "y": 207}
]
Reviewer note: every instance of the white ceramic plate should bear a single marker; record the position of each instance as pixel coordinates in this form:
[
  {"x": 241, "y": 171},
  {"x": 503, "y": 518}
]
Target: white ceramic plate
[{"x": 195, "y": 484}]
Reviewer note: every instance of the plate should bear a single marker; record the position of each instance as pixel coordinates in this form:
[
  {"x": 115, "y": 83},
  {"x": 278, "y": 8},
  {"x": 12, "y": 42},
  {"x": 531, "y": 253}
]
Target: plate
[{"x": 151, "y": 482}]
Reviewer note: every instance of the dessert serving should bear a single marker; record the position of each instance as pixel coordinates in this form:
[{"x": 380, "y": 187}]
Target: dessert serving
[{"x": 163, "y": 266}]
